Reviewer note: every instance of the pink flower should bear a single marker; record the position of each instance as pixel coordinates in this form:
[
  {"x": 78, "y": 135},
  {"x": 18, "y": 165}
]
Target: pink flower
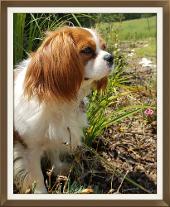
[{"x": 148, "y": 112}]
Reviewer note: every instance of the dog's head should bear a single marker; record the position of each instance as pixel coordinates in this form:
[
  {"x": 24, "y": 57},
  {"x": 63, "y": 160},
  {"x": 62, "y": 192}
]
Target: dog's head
[{"x": 66, "y": 58}]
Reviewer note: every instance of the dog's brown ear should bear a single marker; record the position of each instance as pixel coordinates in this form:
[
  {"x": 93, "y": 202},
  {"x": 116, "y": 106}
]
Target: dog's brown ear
[
  {"x": 55, "y": 70},
  {"x": 101, "y": 84}
]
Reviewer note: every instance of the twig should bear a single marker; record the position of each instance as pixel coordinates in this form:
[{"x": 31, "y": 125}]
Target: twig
[
  {"x": 70, "y": 138},
  {"x": 122, "y": 181}
]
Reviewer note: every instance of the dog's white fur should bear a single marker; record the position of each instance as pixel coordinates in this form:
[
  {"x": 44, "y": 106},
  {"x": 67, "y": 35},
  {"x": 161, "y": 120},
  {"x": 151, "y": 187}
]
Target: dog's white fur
[{"x": 44, "y": 126}]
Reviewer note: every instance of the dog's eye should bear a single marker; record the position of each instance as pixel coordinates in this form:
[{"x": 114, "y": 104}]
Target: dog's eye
[{"x": 87, "y": 50}]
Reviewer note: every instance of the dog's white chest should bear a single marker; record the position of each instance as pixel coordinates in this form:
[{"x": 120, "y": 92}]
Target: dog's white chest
[{"x": 55, "y": 126}]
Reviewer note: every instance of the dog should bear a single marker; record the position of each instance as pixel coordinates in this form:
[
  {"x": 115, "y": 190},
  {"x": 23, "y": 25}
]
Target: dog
[{"x": 49, "y": 91}]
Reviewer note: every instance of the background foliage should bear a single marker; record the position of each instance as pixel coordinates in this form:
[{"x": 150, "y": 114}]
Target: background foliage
[{"x": 29, "y": 29}]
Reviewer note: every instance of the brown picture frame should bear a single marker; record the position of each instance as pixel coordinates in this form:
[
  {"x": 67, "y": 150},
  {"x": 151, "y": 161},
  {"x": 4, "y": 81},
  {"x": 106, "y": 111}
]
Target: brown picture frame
[{"x": 166, "y": 100}]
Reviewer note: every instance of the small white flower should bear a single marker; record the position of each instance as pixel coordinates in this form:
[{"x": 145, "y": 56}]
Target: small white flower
[{"x": 145, "y": 62}]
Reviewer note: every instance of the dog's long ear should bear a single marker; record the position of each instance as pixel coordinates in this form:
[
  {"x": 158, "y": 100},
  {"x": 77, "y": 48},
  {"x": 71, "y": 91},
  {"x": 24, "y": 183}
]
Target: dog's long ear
[
  {"x": 101, "y": 84},
  {"x": 54, "y": 70}
]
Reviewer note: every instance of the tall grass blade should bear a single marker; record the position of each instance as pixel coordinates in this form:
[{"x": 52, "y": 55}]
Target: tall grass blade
[{"x": 18, "y": 36}]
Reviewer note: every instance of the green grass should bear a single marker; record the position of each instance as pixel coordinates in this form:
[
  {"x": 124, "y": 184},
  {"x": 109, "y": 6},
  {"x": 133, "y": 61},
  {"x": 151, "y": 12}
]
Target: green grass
[
  {"x": 19, "y": 24},
  {"x": 132, "y": 30},
  {"x": 149, "y": 50},
  {"x": 143, "y": 29},
  {"x": 102, "y": 111},
  {"x": 29, "y": 30},
  {"x": 137, "y": 29}
]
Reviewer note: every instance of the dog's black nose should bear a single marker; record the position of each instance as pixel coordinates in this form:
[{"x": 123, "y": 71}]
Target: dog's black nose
[{"x": 109, "y": 58}]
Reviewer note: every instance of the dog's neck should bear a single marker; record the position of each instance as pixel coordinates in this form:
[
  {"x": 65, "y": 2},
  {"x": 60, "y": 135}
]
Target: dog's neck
[
  {"x": 85, "y": 89},
  {"x": 78, "y": 102}
]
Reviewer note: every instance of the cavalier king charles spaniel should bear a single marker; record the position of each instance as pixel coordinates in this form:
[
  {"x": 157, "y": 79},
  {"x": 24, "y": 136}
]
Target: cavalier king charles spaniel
[{"x": 49, "y": 91}]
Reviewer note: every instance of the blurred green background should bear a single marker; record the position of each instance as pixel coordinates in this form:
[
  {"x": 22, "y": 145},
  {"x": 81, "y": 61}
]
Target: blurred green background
[{"x": 29, "y": 28}]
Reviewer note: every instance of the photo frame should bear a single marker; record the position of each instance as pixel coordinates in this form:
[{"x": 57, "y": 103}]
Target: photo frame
[{"x": 4, "y": 160}]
